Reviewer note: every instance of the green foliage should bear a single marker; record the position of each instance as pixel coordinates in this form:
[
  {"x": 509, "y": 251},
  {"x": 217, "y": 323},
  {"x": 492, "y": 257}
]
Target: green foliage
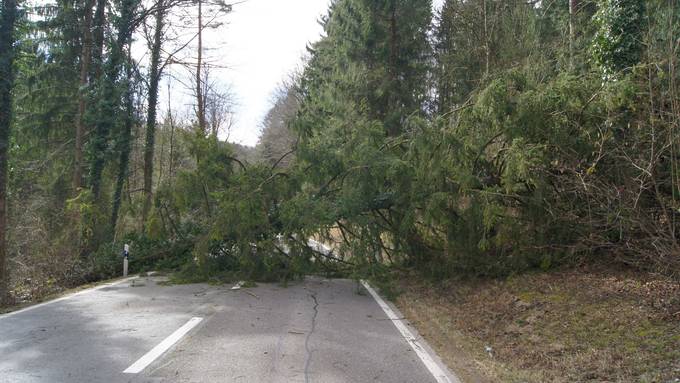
[
  {"x": 511, "y": 179},
  {"x": 618, "y": 42},
  {"x": 146, "y": 254},
  {"x": 484, "y": 143},
  {"x": 87, "y": 217},
  {"x": 107, "y": 261},
  {"x": 230, "y": 216},
  {"x": 363, "y": 92}
]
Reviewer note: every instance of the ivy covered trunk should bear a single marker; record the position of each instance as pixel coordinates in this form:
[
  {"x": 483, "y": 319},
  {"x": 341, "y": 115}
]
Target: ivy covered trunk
[{"x": 152, "y": 107}]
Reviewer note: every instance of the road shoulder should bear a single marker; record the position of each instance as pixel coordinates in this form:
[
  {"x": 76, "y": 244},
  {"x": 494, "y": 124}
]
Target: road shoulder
[{"x": 563, "y": 326}]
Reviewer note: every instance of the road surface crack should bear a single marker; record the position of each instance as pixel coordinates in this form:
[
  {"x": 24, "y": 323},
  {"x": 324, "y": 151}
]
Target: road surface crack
[{"x": 308, "y": 358}]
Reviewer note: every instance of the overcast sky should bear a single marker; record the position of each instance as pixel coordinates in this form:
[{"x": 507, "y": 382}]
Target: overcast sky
[{"x": 261, "y": 42}]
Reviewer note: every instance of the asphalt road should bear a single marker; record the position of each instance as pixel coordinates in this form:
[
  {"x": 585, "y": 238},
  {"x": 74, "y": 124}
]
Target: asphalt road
[{"x": 313, "y": 331}]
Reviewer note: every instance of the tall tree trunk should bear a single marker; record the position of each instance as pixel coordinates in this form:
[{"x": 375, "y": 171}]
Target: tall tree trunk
[
  {"x": 109, "y": 97},
  {"x": 393, "y": 126},
  {"x": 171, "y": 170},
  {"x": 200, "y": 108},
  {"x": 154, "y": 77},
  {"x": 9, "y": 14},
  {"x": 572, "y": 31},
  {"x": 124, "y": 144},
  {"x": 171, "y": 154},
  {"x": 99, "y": 25},
  {"x": 675, "y": 112},
  {"x": 487, "y": 47},
  {"x": 85, "y": 57},
  {"x": 200, "y": 101}
]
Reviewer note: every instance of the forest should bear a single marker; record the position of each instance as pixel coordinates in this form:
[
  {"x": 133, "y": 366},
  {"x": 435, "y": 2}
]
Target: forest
[{"x": 484, "y": 139}]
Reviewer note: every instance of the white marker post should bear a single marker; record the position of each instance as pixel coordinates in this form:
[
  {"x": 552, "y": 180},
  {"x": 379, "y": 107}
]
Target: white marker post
[{"x": 126, "y": 252}]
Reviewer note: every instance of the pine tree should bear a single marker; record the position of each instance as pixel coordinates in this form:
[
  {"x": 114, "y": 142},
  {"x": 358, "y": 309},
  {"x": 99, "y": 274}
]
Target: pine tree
[
  {"x": 109, "y": 95},
  {"x": 85, "y": 61},
  {"x": 364, "y": 83},
  {"x": 473, "y": 40}
]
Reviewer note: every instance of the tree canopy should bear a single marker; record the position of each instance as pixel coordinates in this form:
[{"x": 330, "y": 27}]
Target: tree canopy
[{"x": 484, "y": 138}]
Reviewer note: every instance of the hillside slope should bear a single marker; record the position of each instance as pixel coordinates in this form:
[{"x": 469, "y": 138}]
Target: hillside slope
[{"x": 568, "y": 326}]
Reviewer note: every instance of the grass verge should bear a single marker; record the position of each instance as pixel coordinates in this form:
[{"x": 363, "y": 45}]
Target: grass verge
[{"x": 579, "y": 325}]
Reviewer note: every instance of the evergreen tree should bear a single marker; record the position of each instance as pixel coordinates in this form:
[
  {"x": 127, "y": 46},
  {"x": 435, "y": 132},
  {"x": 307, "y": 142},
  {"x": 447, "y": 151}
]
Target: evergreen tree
[
  {"x": 85, "y": 61},
  {"x": 365, "y": 82},
  {"x": 109, "y": 94}
]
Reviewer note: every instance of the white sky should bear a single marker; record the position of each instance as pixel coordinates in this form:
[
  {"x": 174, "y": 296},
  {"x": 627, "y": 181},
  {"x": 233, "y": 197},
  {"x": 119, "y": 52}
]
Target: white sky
[
  {"x": 261, "y": 42},
  {"x": 265, "y": 41}
]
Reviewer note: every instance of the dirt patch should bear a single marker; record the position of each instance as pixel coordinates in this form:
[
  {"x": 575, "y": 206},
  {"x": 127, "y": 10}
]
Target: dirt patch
[{"x": 570, "y": 326}]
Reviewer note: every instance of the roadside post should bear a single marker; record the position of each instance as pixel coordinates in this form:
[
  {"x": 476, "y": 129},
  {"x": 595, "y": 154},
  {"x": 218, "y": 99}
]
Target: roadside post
[{"x": 126, "y": 252}]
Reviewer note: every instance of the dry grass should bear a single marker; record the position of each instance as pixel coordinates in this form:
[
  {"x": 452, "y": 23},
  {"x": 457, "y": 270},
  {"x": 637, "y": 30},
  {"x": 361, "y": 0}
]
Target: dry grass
[{"x": 570, "y": 326}]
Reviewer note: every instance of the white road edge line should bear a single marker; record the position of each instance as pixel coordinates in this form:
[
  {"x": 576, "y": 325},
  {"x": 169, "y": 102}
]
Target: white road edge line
[
  {"x": 162, "y": 347},
  {"x": 65, "y": 297},
  {"x": 434, "y": 368}
]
